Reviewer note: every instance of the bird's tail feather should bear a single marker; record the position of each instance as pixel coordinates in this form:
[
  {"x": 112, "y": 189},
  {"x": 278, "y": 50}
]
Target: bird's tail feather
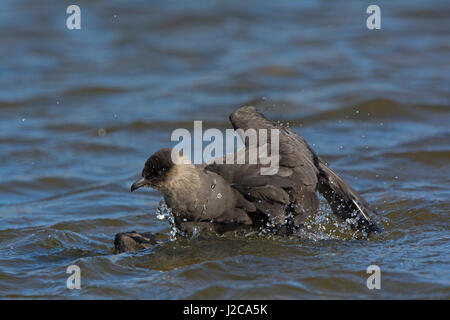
[{"x": 345, "y": 202}]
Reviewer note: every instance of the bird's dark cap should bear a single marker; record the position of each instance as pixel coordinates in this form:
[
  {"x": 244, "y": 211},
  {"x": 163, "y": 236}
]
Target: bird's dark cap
[
  {"x": 155, "y": 169},
  {"x": 158, "y": 164}
]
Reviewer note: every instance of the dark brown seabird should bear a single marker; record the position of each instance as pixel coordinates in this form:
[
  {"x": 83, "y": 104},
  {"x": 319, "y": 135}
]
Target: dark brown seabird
[{"x": 224, "y": 197}]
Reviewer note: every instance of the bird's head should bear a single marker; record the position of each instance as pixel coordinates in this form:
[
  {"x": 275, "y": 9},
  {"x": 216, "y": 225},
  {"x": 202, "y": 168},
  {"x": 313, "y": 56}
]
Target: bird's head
[{"x": 156, "y": 170}]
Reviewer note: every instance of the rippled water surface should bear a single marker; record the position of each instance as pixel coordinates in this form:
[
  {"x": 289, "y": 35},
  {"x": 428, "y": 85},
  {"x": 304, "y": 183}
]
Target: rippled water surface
[{"x": 80, "y": 111}]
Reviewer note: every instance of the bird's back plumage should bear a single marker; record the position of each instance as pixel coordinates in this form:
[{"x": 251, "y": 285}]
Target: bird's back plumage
[{"x": 290, "y": 196}]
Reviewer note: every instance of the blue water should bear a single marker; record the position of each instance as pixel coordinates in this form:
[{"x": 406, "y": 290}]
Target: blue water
[{"x": 81, "y": 110}]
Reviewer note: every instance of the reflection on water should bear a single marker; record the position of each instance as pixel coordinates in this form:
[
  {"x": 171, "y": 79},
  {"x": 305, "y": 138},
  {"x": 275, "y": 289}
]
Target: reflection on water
[{"x": 80, "y": 111}]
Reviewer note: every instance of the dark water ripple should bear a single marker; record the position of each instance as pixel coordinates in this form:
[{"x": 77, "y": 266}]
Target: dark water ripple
[{"x": 81, "y": 110}]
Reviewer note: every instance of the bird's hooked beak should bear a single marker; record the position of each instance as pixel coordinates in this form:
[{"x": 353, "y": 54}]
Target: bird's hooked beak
[{"x": 140, "y": 183}]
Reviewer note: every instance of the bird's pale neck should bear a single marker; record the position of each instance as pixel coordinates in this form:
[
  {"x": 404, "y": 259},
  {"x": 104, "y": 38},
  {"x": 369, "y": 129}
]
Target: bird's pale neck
[{"x": 181, "y": 178}]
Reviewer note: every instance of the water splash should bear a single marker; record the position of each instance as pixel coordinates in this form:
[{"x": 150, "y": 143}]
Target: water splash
[
  {"x": 323, "y": 225},
  {"x": 163, "y": 212}
]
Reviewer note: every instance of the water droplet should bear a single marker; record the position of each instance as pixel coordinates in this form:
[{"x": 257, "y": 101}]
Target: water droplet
[
  {"x": 205, "y": 207},
  {"x": 195, "y": 232},
  {"x": 160, "y": 217},
  {"x": 163, "y": 212}
]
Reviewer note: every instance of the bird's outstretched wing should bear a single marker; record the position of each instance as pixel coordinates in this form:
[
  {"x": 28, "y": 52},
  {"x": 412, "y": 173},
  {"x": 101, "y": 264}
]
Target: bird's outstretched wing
[{"x": 290, "y": 195}]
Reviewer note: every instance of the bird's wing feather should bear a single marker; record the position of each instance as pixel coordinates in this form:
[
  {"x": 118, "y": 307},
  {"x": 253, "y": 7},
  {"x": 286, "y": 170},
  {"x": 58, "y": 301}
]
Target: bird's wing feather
[
  {"x": 293, "y": 185},
  {"x": 293, "y": 188},
  {"x": 311, "y": 174}
]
